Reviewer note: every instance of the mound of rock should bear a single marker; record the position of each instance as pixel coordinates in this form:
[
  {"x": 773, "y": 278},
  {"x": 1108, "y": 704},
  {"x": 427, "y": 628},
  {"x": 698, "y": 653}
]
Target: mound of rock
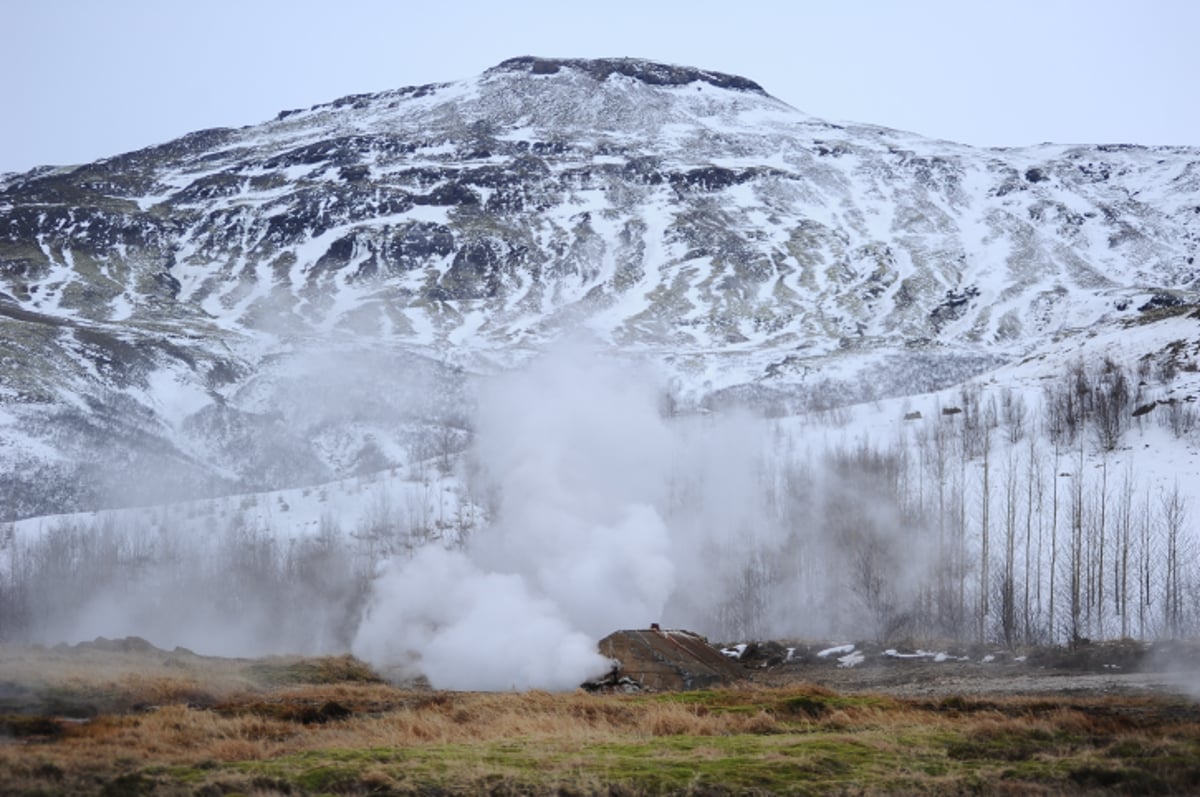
[{"x": 655, "y": 659}]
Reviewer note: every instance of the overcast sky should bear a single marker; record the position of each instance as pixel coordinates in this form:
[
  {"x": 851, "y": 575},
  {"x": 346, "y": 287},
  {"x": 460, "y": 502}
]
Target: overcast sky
[{"x": 85, "y": 79}]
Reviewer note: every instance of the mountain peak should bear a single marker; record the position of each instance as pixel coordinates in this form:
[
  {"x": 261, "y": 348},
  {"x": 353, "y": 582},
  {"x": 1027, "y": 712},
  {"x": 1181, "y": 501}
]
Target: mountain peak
[
  {"x": 650, "y": 72},
  {"x": 759, "y": 254}
]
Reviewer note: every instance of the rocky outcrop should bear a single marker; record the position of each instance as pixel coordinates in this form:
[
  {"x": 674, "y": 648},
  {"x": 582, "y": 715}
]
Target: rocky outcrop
[
  {"x": 660, "y": 660},
  {"x": 648, "y": 72}
]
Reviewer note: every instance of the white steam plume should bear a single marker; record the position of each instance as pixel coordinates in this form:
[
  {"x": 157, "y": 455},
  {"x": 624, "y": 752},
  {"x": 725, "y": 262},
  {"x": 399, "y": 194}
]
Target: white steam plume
[
  {"x": 466, "y": 628},
  {"x": 575, "y": 449}
]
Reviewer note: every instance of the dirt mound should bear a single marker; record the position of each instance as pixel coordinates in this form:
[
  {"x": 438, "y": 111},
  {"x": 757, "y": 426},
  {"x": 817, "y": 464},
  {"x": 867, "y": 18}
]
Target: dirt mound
[
  {"x": 130, "y": 644},
  {"x": 657, "y": 659}
]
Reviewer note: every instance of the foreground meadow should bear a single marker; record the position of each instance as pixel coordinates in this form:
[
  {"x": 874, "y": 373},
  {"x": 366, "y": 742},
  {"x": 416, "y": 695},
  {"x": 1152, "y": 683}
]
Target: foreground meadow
[{"x": 152, "y": 723}]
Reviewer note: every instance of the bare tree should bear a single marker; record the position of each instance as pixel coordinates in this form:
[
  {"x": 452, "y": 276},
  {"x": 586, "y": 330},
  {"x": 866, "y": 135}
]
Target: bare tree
[
  {"x": 1013, "y": 412},
  {"x": 1173, "y": 513},
  {"x": 1098, "y": 526},
  {"x": 1146, "y": 547},
  {"x": 985, "y": 443},
  {"x": 938, "y": 448},
  {"x": 1033, "y": 508},
  {"x": 1124, "y": 532},
  {"x": 1054, "y": 538},
  {"x": 1008, "y": 608},
  {"x": 1110, "y": 405},
  {"x": 1076, "y": 566}
]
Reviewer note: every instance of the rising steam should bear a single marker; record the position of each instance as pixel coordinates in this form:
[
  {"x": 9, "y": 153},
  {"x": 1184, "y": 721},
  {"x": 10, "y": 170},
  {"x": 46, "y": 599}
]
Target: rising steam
[
  {"x": 601, "y": 512},
  {"x": 575, "y": 448}
]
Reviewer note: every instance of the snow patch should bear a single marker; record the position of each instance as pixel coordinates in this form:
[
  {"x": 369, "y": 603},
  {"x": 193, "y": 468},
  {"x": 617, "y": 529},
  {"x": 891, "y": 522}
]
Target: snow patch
[{"x": 835, "y": 651}]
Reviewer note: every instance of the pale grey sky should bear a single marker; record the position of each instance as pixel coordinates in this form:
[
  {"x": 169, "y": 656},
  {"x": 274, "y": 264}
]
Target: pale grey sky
[{"x": 85, "y": 79}]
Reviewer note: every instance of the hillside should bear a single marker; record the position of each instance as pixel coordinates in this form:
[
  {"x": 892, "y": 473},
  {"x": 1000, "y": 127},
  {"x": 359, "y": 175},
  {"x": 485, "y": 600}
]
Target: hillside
[
  {"x": 508, "y": 363},
  {"x": 161, "y": 307}
]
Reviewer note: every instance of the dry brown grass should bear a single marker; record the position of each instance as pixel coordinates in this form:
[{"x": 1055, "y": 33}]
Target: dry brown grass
[
  {"x": 116, "y": 681},
  {"x": 251, "y": 736}
]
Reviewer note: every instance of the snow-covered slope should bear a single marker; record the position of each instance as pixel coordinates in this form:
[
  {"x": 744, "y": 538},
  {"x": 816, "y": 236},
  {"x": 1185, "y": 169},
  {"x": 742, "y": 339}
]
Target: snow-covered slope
[{"x": 308, "y": 298}]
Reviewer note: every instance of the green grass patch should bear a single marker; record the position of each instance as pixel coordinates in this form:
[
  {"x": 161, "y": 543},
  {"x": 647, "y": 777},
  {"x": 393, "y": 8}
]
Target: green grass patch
[
  {"x": 920, "y": 759},
  {"x": 797, "y": 740},
  {"x": 784, "y": 705},
  {"x": 741, "y": 764}
]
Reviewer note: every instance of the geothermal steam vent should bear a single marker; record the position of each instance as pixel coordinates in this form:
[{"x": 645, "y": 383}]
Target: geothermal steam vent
[{"x": 660, "y": 659}]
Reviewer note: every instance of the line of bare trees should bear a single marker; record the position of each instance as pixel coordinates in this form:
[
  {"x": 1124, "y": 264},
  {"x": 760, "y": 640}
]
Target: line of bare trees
[
  {"x": 219, "y": 571},
  {"x": 1001, "y": 518}
]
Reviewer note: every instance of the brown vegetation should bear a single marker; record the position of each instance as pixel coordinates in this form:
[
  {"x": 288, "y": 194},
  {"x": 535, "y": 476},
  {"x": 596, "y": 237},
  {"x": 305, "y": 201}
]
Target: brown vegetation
[{"x": 321, "y": 726}]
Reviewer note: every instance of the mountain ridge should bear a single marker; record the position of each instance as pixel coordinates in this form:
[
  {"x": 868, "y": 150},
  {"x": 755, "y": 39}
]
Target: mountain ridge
[{"x": 754, "y": 252}]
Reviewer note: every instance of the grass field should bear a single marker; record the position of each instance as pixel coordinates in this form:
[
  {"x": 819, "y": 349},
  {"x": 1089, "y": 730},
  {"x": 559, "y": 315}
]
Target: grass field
[{"x": 182, "y": 725}]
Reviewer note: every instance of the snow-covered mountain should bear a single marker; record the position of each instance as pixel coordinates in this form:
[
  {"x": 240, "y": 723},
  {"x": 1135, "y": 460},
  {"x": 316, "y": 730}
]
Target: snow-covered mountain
[{"x": 309, "y": 298}]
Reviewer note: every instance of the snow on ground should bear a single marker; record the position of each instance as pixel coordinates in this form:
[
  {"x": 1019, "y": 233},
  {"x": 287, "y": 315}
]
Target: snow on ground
[
  {"x": 121, "y": 307},
  {"x": 892, "y": 653},
  {"x": 431, "y": 507},
  {"x": 995, "y": 229},
  {"x": 943, "y": 656},
  {"x": 836, "y": 650},
  {"x": 937, "y": 657},
  {"x": 175, "y": 394},
  {"x": 847, "y": 655}
]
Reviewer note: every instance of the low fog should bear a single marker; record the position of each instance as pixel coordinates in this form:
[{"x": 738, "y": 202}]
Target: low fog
[
  {"x": 581, "y": 506},
  {"x": 503, "y": 533},
  {"x": 577, "y": 455}
]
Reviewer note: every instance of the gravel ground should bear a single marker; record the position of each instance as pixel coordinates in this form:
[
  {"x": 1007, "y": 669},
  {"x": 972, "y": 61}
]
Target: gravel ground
[{"x": 1123, "y": 668}]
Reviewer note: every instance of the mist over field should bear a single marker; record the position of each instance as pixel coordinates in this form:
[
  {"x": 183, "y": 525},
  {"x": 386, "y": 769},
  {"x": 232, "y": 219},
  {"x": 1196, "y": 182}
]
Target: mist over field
[
  {"x": 574, "y": 450},
  {"x": 583, "y": 504},
  {"x": 462, "y": 377}
]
